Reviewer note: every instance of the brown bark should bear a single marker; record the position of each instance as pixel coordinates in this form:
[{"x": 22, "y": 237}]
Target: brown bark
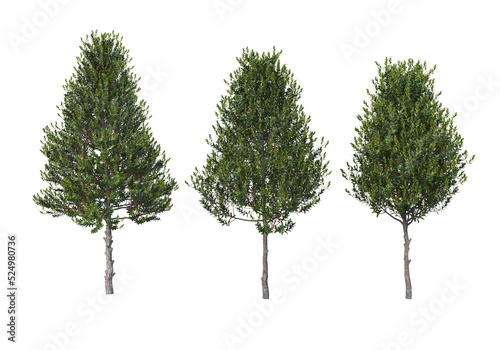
[
  {"x": 265, "y": 287},
  {"x": 109, "y": 273},
  {"x": 406, "y": 259}
]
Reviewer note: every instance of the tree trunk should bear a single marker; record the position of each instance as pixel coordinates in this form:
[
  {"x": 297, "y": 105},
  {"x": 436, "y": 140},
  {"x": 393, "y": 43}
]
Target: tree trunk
[
  {"x": 265, "y": 288},
  {"x": 406, "y": 259},
  {"x": 109, "y": 273}
]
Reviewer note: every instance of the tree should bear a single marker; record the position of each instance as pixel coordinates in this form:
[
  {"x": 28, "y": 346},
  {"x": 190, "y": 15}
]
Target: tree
[
  {"x": 263, "y": 165},
  {"x": 102, "y": 158},
  {"x": 408, "y": 159}
]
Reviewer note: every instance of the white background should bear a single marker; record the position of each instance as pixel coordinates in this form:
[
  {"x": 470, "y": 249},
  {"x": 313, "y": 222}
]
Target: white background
[{"x": 190, "y": 282}]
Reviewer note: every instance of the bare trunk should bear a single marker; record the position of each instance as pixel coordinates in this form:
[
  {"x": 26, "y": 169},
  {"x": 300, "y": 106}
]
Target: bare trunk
[
  {"x": 109, "y": 273},
  {"x": 265, "y": 288},
  {"x": 406, "y": 259}
]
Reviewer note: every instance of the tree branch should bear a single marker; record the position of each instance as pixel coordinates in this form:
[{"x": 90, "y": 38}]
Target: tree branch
[
  {"x": 385, "y": 212},
  {"x": 235, "y": 218}
]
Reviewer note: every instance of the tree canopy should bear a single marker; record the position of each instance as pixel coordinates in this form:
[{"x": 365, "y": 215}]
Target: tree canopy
[
  {"x": 264, "y": 164},
  {"x": 102, "y": 157},
  {"x": 408, "y": 159}
]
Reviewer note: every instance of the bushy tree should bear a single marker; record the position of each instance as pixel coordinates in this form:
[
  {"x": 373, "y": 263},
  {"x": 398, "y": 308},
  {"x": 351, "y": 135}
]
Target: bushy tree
[
  {"x": 263, "y": 165},
  {"x": 408, "y": 160},
  {"x": 102, "y": 158}
]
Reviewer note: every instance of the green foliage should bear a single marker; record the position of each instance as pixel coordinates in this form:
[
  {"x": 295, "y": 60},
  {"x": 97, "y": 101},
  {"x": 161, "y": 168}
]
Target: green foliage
[
  {"x": 263, "y": 164},
  {"x": 408, "y": 159},
  {"x": 103, "y": 157}
]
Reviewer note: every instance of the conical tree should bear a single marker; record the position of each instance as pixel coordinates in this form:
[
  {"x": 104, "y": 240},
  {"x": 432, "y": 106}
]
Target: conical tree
[
  {"x": 102, "y": 158},
  {"x": 263, "y": 165},
  {"x": 407, "y": 155}
]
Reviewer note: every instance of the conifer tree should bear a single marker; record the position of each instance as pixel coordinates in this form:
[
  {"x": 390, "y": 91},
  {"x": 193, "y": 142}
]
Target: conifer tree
[
  {"x": 407, "y": 160},
  {"x": 102, "y": 158},
  {"x": 263, "y": 165}
]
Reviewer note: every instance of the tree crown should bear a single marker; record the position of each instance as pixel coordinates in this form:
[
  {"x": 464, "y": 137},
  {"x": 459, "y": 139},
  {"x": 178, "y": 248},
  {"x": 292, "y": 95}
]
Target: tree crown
[
  {"x": 408, "y": 159},
  {"x": 103, "y": 157},
  {"x": 263, "y": 161}
]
